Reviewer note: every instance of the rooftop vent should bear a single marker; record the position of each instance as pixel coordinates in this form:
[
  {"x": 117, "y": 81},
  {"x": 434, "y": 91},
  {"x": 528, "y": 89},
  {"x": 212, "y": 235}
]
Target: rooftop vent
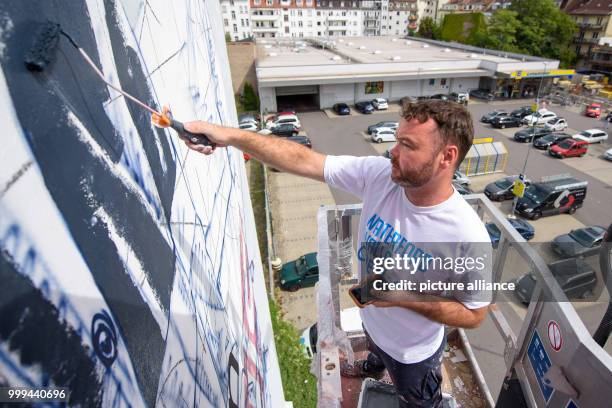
[
  {"x": 362, "y": 47},
  {"x": 408, "y": 42},
  {"x": 425, "y": 45},
  {"x": 336, "y": 58},
  {"x": 376, "y": 52},
  {"x": 396, "y": 58},
  {"x": 272, "y": 54}
]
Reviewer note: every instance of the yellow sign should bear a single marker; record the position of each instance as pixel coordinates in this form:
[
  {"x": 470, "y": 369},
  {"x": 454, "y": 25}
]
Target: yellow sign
[
  {"x": 547, "y": 73},
  {"x": 519, "y": 188},
  {"x": 482, "y": 140}
]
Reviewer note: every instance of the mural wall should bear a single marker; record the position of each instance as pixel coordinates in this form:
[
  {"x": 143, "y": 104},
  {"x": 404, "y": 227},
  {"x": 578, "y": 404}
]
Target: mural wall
[{"x": 130, "y": 270}]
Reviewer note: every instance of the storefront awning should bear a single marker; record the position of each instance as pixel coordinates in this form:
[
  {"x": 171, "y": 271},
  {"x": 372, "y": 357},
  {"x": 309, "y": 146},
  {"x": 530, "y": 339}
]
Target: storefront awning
[{"x": 537, "y": 74}]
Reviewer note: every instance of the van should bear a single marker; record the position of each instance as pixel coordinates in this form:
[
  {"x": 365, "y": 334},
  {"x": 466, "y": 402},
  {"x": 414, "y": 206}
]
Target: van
[{"x": 553, "y": 195}]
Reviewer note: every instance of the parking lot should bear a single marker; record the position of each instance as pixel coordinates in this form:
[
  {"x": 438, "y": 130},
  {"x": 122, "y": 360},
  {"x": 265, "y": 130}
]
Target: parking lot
[{"x": 338, "y": 135}]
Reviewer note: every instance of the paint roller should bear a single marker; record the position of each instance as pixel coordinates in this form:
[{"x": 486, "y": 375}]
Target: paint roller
[{"x": 42, "y": 53}]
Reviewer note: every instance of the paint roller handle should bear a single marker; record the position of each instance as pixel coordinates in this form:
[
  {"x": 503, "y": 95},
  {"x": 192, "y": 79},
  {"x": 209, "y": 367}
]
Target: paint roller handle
[{"x": 195, "y": 138}]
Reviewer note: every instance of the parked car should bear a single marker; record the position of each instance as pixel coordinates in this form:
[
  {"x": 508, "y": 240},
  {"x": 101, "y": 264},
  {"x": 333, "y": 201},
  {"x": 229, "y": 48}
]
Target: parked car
[
  {"x": 380, "y": 103},
  {"x": 549, "y": 139},
  {"x": 248, "y": 126},
  {"x": 460, "y": 178},
  {"x": 569, "y": 148},
  {"x": 521, "y": 226},
  {"x": 303, "y": 140},
  {"x": 342, "y": 109},
  {"x": 280, "y": 120},
  {"x": 501, "y": 189},
  {"x": 504, "y": 121},
  {"x": 350, "y": 323},
  {"x": 364, "y": 107},
  {"x": 442, "y": 97},
  {"x": 482, "y": 94},
  {"x": 488, "y": 117},
  {"x": 287, "y": 108},
  {"x": 608, "y": 154},
  {"x": 579, "y": 242},
  {"x": 531, "y": 134},
  {"x": 593, "y": 110},
  {"x": 385, "y": 124},
  {"x": 555, "y": 196},
  {"x": 383, "y": 135},
  {"x": 575, "y": 276},
  {"x": 522, "y": 112},
  {"x": 592, "y": 136},
  {"x": 300, "y": 273},
  {"x": 408, "y": 99},
  {"x": 248, "y": 117},
  {"x": 285, "y": 129},
  {"x": 556, "y": 125},
  {"x": 462, "y": 188},
  {"x": 461, "y": 97},
  {"x": 539, "y": 118}
]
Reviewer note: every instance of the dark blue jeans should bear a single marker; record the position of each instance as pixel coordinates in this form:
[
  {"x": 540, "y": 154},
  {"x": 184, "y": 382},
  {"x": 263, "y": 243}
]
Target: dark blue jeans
[{"x": 418, "y": 385}]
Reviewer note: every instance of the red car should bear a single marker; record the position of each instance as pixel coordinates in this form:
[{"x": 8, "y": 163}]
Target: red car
[
  {"x": 569, "y": 148},
  {"x": 593, "y": 110}
]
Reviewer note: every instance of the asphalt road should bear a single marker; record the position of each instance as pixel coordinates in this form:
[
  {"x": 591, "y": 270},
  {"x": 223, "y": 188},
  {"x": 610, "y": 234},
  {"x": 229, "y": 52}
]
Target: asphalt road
[{"x": 343, "y": 136}]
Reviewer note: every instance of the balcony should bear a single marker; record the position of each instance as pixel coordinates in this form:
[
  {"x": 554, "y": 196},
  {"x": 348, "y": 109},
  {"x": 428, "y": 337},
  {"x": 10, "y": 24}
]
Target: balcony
[
  {"x": 590, "y": 26},
  {"x": 338, "y": 18},
  {"x": 265, "y": 28},
  {"x": 579, "y": 40},
  {"x": 267, "y": 17}
]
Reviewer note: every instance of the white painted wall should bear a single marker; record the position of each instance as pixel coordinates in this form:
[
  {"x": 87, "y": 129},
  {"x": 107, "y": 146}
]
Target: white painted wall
[
  {"x": 267, "y": 99},
  {"x": 464, "y": 84},
  {"x": 399, "y": 89},
  {"x": 334, "y": 93}
]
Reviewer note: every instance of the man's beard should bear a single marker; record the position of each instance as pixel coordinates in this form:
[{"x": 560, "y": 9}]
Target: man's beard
[{"x": 416, "y": 178}]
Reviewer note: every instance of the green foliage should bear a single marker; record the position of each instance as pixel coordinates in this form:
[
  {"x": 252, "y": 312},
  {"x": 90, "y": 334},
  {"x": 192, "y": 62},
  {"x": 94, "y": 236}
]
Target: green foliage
[
  {"x": 543, "y": 29},
  {"x": 428, "y": 28},
  {"x": 250, "y": 100},
  {"x": 463, "y": 28},
  {"x": 501, "y": 32},
  {"x": 228, "y": 37},
  {"x": 298, "y": 384}
]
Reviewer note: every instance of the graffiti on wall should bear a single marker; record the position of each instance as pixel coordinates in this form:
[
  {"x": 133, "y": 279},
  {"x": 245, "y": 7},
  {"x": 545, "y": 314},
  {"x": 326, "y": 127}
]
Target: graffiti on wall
[{"x": 130, "y": 268}]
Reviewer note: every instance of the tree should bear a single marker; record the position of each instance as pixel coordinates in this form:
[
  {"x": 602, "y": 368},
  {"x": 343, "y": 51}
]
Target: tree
[
  {"x": 500, "y": 33},
  {"x": 544, "y": 30},
  {"x": 228, "y": 37},
  {"x": 429, "y": 29},
  {"x": 250, "y": 100}
]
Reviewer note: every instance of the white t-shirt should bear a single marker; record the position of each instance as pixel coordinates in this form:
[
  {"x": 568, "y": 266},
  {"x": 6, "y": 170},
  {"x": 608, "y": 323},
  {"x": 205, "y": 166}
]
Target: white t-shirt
[{"x": 405, "y": 335}]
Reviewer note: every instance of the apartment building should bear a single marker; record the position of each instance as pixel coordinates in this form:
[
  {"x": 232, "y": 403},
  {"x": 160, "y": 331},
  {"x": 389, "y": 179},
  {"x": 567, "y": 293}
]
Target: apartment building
[
  {"x": 593, "y": 20},
  {"x": 323, "y": 18},
  {"x": 236, "y": 18}
]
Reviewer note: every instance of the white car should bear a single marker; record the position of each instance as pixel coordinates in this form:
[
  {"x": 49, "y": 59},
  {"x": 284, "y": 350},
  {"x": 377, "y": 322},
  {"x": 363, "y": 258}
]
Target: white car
[
  {"x": 592, "y": 136},
  {"x": 380, "y": 103},
  {"x": 383, "y": 135},
  {"x": 539, "y": 118},
  {"x": 608, "y": 155},
  {"x": 460, "y": 178},
  {"x": 556, "y": 125},
  {"x": 350, "y": 323},
  {"x": 283, "y": 119},
  {"x": 249, "y": 126}
]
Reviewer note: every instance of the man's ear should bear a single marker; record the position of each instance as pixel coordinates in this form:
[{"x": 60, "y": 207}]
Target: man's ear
[{"x": 450, "y": 154}]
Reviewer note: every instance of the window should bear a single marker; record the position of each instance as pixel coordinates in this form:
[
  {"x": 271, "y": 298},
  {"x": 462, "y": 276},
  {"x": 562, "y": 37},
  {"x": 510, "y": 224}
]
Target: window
[
  {"x": 595, "y": 35},
  {"x": 257, "y": 2},
  {"x": 300, "y": 23},
  {"x": 225, "y": 22},
  {"x": 432, "y": 82},
  {"x": 235, "y": 28},
  {"x": 298, "y": 3},
  {"x": 286, "y": 18},
  {"x": 233, "y": 15},
  {"x": 443, "y": 82},
  {"x": 599, "y": 20},
  {"x": 269, "y": 2},
  {"x": 286, "y": 30},
  {"x": 309, "y": 3}
]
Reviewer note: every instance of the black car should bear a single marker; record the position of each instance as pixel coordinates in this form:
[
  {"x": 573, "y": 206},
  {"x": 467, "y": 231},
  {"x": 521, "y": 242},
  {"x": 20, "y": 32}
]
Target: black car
[
  {"x": 501, "y": 190},
  {"x": 442, "y": 97},
  {"x": 462, "y": 189},
  {"x": 503, "y": 121},
  {"x": 521, "y": 112},
  {"x": 342, "y": 109},
  {"x": 482, "y": 94},
  {"x": 488, "y": 118},
  {"x": 285, "y": 129},
  {"x": 575, "y": 276},
  {"x": 531, "y": 133},
  {"x": 303, "y": 140},
  {"x": 547, "y": 141},
  {"x": 579, "y": 242},
  {"x": 364, "y": 107},
  {"x": 388, "y": 124}
]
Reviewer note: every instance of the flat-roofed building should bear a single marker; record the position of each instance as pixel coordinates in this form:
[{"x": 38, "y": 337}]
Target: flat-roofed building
[{"x": 320, "y": 73}]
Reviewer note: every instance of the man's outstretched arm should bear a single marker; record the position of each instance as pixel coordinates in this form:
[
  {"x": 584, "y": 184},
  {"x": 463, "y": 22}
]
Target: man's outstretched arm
[{"x": 275, "y": 151}]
